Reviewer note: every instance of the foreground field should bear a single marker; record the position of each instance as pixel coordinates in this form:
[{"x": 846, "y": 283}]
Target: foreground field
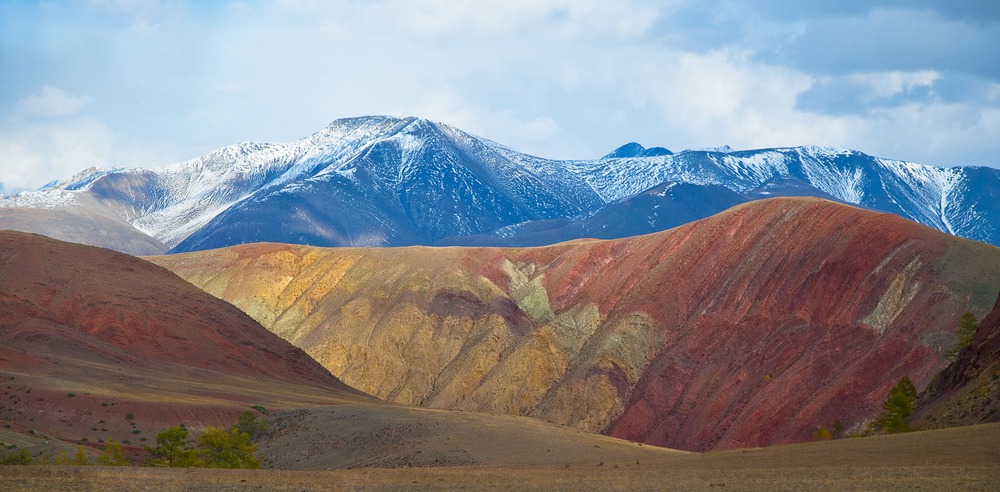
[{"x": 965, "y": 458}]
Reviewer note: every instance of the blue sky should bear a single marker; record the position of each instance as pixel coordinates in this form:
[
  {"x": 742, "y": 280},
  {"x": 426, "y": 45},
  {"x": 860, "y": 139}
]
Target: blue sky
[{"x": 147, "y": 83}]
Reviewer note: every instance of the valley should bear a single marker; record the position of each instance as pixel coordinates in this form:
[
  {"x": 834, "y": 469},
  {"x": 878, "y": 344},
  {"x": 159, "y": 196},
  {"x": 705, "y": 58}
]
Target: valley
[{"x": 705, "y": 355}]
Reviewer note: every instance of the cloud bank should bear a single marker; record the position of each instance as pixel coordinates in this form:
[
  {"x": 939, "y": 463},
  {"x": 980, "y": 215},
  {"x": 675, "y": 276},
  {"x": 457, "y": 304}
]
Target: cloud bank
[{"x": 146, "y": 83}]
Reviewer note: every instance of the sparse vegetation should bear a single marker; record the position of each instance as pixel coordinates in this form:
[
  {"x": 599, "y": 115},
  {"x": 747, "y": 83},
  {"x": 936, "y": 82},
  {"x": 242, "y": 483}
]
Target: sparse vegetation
[{"x": 217, "y": 448}]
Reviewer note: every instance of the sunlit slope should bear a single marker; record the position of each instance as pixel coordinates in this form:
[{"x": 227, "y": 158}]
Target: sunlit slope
[{"x": 755, "y": 326}]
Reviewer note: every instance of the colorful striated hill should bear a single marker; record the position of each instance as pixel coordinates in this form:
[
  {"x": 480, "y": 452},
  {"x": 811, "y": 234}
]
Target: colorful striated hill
[
  {"x": 752, "y": 327},
  {"x": 96, "y": 344}
]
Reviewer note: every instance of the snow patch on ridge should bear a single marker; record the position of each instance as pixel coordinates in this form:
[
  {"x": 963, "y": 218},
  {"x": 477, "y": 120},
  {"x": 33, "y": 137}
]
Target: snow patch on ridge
[
  {"x": 386, "y": 156},
  {"x": 51, "y": 199}
]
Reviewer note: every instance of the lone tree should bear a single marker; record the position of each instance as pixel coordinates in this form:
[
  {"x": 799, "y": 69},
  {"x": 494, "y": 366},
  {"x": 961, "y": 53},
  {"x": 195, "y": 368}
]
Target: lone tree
[
  {"x": 249, "y": 425},
  {"x": 898, "y": 405},
  {"x": 172, "y": 449},
  {"x": 80, "y": 459},
  {"x": 222, "y": 448},
  {"x": 113, "y": 455}
]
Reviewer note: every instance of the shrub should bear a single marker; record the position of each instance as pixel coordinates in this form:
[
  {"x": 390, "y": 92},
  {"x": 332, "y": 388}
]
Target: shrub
[
  {"x": 21, "y": 457},
  {"x": 113, "y": 455},
  {"x": 823, "y": 434},
  {"x": 249, "y": 425},
  {"x": 80, "y": 459},
  {"x": 220, "y": 448},
  {"x": 62, "y": 459}
]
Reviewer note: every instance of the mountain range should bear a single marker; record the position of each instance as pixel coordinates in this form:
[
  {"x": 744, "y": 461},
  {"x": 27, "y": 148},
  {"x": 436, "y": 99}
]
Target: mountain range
[{"x": 384, "y": 181}]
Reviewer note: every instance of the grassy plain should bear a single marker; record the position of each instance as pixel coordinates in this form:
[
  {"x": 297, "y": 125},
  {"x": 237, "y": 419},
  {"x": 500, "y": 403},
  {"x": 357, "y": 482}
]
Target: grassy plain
[{"x": 965, "y": 458}]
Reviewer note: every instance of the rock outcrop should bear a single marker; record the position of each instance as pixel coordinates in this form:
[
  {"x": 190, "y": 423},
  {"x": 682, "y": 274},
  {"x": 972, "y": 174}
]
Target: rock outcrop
[{"x": 968, "y": 390}]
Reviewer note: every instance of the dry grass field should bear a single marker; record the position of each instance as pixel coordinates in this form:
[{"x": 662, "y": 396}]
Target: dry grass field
[{"x": 965, "y": 458}]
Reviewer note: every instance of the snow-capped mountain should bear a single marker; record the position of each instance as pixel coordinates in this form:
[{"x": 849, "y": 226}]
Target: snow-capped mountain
[{"x": 383, "y": 181}]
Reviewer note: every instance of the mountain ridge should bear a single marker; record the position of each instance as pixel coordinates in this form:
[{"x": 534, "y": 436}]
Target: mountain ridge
[{"x": 385, "y": 181}]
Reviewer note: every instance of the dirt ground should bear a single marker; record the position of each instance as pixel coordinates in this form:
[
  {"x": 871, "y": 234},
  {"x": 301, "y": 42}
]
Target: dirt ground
[{"x": 966, "y": 458}]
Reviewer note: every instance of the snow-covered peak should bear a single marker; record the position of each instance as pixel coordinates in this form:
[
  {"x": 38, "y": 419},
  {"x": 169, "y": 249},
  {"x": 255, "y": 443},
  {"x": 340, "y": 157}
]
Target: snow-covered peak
[
  {"x": 45, "y": 199},
  {"x": 725, "y": 149},
  {"x": 384, "y": 155},
  {"x": 81, "y": 180}
]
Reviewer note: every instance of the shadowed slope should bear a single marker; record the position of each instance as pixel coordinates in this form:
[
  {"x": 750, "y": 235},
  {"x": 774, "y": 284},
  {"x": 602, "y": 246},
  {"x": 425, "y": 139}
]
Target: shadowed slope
[
  {"x": 81, "y": 225},
  {"x": 968, "y": 390},
  {"x": 755, "y": 326},
  {"x": 97, "y": 344}
]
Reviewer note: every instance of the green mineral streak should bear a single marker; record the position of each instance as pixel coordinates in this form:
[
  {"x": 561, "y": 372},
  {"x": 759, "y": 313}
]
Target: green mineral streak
[{"x": 528, "y": 292}]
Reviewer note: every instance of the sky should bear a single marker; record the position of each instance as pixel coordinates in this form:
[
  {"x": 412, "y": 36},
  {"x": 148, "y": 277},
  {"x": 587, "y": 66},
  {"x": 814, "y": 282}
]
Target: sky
[{"x": 145, "y": 83}]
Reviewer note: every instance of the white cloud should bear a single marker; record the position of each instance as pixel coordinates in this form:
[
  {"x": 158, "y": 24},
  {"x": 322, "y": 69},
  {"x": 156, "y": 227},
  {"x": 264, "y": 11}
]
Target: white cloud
[
  {"x": 719, "y": 98},
  {"x": 52, "y": 102},
  {"x": 33, "y": 153},
  {"x": 561, "y": 79}
]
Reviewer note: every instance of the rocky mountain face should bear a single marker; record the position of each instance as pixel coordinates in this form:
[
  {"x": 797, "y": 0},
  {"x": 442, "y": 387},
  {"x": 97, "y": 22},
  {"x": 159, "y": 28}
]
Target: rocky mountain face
[
  {"x": 755, "y": 326},
  {"x": 96, "y": 344},
  {"x": 382, "y": 181},
  {"x": 968, "y": 390}
]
